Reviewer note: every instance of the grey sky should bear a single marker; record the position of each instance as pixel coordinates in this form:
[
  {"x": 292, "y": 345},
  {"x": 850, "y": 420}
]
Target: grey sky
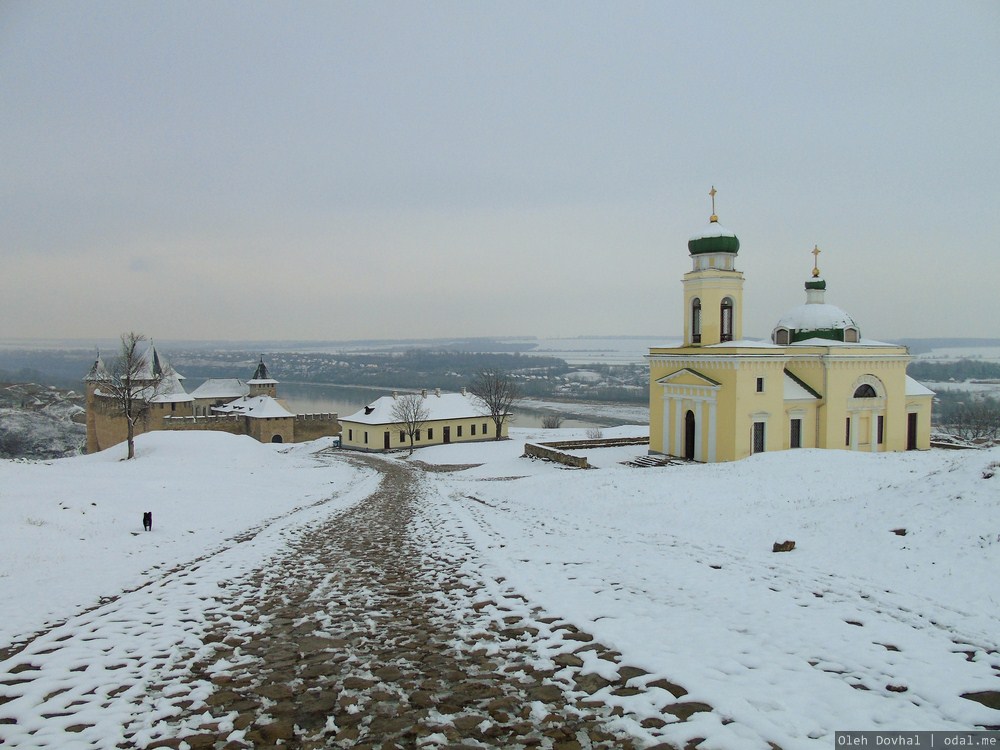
[{"x": 339, "y": 170}]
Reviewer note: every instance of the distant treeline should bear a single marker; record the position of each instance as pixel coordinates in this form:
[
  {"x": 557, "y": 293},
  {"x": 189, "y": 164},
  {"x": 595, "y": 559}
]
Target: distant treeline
[
  {"x": 960, "y": 370},
  {"x": 65, "y": 368}
]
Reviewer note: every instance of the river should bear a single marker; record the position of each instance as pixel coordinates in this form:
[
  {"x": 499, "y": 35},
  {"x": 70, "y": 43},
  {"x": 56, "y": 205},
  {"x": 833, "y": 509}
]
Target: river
[{"x": 345, "y": 400}]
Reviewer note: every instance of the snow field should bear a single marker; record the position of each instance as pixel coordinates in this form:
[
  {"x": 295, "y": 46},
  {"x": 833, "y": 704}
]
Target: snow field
[
  {"x": 85, "y": 682},
  {"x": 882, "y": 617},
  {"x": 859, "y": 627}
]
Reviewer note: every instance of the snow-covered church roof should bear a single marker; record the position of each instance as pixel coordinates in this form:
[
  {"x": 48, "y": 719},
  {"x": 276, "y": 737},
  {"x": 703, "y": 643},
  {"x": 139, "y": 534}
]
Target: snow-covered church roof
[
  {"x": 815, "y": 317},
  {"x": 714, "y": 238}
]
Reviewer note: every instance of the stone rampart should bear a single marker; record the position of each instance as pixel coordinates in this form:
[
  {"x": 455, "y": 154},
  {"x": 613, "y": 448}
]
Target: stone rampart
[{"x": 234, "y": 424}]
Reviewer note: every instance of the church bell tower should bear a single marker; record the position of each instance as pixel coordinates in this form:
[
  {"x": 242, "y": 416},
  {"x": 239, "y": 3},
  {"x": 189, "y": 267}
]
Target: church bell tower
[{"x": 713, "y": 288}]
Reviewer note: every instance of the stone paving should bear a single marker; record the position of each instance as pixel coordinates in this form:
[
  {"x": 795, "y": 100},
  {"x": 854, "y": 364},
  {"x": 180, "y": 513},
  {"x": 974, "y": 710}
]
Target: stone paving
[
  {"x": 356, "y": 640},
  {"x": 373, "y": 628}
]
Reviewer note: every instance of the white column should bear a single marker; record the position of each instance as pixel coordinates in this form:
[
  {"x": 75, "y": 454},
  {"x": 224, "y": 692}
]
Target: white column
[
  {"x": 874, "y": 437},
  {"x": 698, "y": 417},
  {"x": 711, "y": 431},
  {"x": 678, "y": 426},
  {"x": 666, "y": 423}
]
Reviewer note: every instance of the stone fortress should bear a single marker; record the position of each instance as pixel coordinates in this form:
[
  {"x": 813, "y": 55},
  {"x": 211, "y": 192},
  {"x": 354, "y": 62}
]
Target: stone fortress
[{"x": 228, "y": 405}]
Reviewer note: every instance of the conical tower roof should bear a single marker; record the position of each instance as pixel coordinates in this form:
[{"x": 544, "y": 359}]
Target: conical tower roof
[
  {"x": 98, "y": 371},
  {"x": 261, "y": 375}
]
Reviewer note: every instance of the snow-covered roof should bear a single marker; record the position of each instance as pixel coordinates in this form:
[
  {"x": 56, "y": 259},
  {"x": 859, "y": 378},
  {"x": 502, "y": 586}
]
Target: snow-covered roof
[
  {"x": 169, "y": 390},
  {"x": 714, "y": 229},
  {"x": 444, "y": 406},
  {"x": 745, "y": 344},
  {"x": 818, "y": 341},
  {"x": 796, "y": 390},
  {"x": 258, "y": 407},
  {"x": 98, "y": 371},
  {"x": 221, "y": 388},
  {"x": 913, "y": 388},
  {"x": 152, "y": 365},
  {"x": 816, "y": 317}
]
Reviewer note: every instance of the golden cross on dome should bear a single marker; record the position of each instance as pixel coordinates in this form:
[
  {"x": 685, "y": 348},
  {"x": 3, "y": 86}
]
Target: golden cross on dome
[
  {"x": 815, "y": 252},
  {"x": 712, "y": 193}
]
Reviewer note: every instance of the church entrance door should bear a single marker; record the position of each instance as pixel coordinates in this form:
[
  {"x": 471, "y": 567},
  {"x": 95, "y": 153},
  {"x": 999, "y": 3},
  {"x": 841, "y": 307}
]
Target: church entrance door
[
  {"x": 911, "y": 431},
  {"x": 689, "y": 435}
]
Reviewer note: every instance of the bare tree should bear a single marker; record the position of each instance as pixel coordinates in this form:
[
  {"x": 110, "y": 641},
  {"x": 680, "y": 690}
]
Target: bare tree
[
  {"x": 497, "y": 391},
  {"x": 411, "y": 413},
  {"x": 132, "y": 382},
  {"x": 551, "y": 421},
  {"x": 974, "y": 420}
]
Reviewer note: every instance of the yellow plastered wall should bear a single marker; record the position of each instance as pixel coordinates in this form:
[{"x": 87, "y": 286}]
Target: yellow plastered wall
[
  {"x": 841, "y": 375},
  {"x": 711, "y": 286},
  {"x": 766, "y": 406},
  {"x": 465, "y": 430},
  {"x": 921, "y": 406}
]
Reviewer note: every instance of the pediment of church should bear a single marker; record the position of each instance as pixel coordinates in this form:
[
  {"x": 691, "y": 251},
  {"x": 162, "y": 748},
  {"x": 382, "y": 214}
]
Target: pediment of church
[{"x": 687, "y": 376}]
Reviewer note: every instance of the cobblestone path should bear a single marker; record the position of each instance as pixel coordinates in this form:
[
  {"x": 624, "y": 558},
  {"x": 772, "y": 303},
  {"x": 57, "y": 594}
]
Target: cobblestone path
[{"x": 366, "y": 636}]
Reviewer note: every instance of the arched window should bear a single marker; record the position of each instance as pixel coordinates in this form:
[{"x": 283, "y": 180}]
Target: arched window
[
  {"x": 781, "y": 337},
  {"x": 851, "y": 335},
  {"x": 726, "y": 322},
  {"x": 696, "y": 321},
  {"x": 865, "y": 391}
]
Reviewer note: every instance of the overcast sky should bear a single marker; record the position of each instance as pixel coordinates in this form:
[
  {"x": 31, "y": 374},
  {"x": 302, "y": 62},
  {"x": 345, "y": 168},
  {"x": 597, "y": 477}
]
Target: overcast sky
[{"x": 330, "y": 170}]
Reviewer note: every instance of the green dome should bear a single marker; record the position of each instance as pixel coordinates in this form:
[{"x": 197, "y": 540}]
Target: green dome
[{"x": 715, "y": 238}]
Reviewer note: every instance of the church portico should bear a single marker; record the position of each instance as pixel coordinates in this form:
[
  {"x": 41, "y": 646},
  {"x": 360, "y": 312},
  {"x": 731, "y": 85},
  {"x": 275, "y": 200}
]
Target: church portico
[{"x": 689, "y": 415}]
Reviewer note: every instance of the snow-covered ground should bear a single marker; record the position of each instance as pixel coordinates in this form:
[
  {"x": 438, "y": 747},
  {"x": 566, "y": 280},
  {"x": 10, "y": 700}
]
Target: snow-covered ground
[
  {"x": 71, "y": 529},
  {"x": 862, "y": 626}
]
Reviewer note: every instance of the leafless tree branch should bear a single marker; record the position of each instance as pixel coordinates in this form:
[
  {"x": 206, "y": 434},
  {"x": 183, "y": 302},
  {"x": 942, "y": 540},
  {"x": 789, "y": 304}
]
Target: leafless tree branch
[{"x": 411, "y": 413}]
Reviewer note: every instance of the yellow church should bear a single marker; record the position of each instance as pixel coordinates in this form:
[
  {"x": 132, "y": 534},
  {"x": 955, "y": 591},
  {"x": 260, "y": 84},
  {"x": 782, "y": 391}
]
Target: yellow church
[{"x": 817, "y": 383}]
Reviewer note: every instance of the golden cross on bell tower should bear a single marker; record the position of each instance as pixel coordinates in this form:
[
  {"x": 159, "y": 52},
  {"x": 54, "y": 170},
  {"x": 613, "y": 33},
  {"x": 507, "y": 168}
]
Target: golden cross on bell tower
[
  {"x": 712, "y": 193},
  {"x": 815, "y": 253}
]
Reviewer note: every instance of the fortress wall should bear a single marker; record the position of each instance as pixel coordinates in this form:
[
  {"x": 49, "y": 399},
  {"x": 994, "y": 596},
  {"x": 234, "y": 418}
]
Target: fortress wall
[
  {"x": 234, "y": 424},
  {"x": 313, "y": 426}
]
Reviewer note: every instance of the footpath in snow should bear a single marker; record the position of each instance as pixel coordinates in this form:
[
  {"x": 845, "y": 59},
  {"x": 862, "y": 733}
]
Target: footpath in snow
[{"x": 885, "y": 616}]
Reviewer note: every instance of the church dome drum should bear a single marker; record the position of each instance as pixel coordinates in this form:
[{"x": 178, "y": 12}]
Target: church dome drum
[{"x": 817, "y": 320}]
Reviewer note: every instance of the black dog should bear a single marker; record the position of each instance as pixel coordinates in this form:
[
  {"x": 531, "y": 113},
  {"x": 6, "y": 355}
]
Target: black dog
[{"x": 147, "y": 521}]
